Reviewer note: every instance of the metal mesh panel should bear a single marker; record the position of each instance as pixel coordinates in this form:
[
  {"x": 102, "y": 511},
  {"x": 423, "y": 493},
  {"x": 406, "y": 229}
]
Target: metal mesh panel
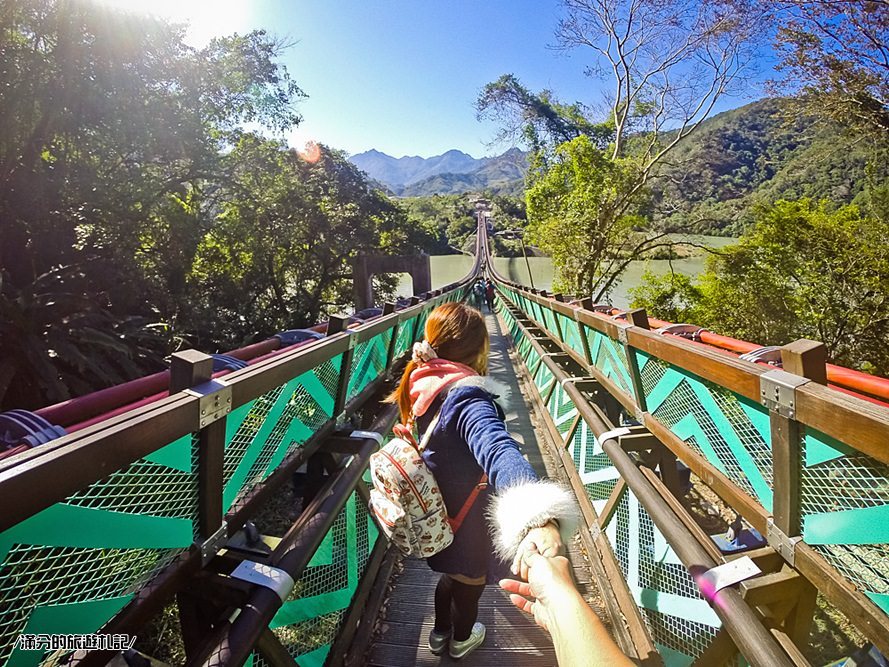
[
  {"x": 843, "y": 499},
  {"x": 562, "y": 410},
  {"x": 310, "y": 619},
  {"x": 368, "y": 362},
  {"x": 313, "y": 636},
  {"x": 144, "y": 488},
  {"x": 676, "y": 616},
  {"x": 595, "y": 468},
  {"x": 543, "y": 378},
  {"x": 714, "y": 421},
  {"x": 609, "y": 357},
  {"x": 571, "y": 334},
  {"x": 549, "y": 320},
  {"x": 275, "y": 425},
  {"x": 405, "y": 336},
  {"x": 35, "y": 577},
  {"x": 678, "y": 634}
]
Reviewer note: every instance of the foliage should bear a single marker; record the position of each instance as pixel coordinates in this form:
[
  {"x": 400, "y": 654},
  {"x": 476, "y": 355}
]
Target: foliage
[
  {"x": 136, "y": 214},
  {"x": 280, "y": 249},
  {"x": 448, "y": 220},
  {"x": 805, "y": 270},
  {"x": 835, "y": 59},
  {"x": 665, "y": 64},
  {"x": 537, "y": 119},
  {"x": 589, "y": 214}
]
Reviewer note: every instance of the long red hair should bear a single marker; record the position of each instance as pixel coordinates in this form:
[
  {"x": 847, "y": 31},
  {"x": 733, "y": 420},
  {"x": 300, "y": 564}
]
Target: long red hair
[{"x": 458, "y": 333}]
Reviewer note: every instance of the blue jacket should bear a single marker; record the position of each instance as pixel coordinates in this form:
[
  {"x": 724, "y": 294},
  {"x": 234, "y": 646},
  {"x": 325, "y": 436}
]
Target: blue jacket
[{"x": 469, "y": 439}]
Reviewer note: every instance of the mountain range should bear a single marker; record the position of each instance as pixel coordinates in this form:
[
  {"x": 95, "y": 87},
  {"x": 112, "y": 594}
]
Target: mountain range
[
  {"x": 449, "y": 173},
  {"x": 755, "y": 154}
]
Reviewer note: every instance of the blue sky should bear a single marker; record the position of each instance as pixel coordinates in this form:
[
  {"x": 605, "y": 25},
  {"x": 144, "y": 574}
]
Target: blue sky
[{"x": 400, "y": 76}]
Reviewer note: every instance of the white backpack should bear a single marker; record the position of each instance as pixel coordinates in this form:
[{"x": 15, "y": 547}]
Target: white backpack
[{"x": 407, "y": 501}]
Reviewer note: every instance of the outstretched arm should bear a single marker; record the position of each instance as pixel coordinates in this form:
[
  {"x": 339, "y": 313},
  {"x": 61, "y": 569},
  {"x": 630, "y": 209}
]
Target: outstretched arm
[{"x": 579, "y": 637}]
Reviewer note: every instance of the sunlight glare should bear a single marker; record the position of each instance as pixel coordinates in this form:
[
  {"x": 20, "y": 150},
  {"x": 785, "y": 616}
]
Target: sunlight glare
[
  {"x": 206, "y": 19},
  {"x": 311, "y": 153}
]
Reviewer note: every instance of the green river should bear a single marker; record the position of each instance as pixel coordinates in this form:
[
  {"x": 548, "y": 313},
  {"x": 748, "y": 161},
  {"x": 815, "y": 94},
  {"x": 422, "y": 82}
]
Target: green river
[{"x": 451, "y": 268}]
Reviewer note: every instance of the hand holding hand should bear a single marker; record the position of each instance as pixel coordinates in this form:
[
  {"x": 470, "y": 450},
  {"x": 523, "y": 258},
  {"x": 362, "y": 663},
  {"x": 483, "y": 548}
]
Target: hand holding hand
[
  {"x": 545, "y": 541},
  {"x": 549, "y": 580}
]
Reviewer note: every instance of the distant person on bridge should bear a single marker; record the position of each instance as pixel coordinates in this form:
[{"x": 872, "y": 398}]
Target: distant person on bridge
[
  {"x": 489, "y": 294},
  {"x": 478, "y": 293},
  {"x": 468, "y": 441},
  {"x": 580, "y": 638}
]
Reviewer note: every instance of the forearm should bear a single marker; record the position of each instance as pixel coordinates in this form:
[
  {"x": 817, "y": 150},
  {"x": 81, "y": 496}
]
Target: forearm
[{"x": 580, "y": 638}]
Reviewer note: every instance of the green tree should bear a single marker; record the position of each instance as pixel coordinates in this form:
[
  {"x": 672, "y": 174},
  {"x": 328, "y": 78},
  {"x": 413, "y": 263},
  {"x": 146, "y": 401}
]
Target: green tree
[
  {"x": 588, "y": 212},
  {"x": 665, "y": 65},
  {"x": 112, "y": 132},
  {"x": 279, "y": 252},
  {"x": 805, "y": 270},
  {"x": 835, "y": 61}
]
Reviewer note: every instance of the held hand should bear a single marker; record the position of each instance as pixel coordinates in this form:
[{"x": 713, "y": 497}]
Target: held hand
[
  {"x": 549, "y": 581},
  {"x": 545, "y": 541}
]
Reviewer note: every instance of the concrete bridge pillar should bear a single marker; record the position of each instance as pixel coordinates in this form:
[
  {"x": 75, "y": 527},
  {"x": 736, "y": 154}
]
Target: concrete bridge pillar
[{"x": 367, "y": 266}]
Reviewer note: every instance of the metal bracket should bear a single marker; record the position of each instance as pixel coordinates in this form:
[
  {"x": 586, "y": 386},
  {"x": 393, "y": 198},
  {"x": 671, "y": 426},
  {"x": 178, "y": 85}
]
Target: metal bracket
[
  {"x": 595, "y": 531},
  {"x": 622, "y": 332},
  {"x": 613, "y": 434},
  {"x": 211, "y": 546},
  {"x": 367, "y": 435},
  {"x": 273, "y": 578},
  {"x": 215, "y": 400},
  {"x": 578, "y": 380},
  {"x": 777, "y": 391},
  {"x": 784, "y": 545},
  {"x": 353, "y": 337}
]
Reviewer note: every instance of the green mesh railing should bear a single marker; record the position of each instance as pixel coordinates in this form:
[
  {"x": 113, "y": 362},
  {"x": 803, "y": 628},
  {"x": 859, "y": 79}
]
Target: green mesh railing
[
  {"x": 843, "y": 493},
  {"x": 75, "y": 563}
]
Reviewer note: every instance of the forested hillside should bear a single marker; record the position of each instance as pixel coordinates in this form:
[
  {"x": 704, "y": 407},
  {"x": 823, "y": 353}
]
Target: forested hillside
[{"x": 757, "y": 154}]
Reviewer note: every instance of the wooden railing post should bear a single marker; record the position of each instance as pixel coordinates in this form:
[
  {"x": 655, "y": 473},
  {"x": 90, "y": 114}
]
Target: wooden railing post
[
  {"x": 193, "y": 371},
  {"x": 807, "y": 359}
]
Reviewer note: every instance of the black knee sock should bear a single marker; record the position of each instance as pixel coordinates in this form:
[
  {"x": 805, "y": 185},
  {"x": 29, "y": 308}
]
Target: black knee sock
[
  {"x": 464, "y": 609},
  {"x": 443, "y": 604}
]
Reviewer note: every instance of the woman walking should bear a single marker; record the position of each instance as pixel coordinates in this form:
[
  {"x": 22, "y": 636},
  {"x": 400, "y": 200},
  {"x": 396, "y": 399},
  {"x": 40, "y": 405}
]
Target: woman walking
[{"x": 444, "y": 389}]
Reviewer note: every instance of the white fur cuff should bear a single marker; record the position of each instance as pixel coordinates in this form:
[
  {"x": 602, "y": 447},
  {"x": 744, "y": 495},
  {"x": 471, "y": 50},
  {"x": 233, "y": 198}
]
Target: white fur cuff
[{"x": 517, "y": 509}]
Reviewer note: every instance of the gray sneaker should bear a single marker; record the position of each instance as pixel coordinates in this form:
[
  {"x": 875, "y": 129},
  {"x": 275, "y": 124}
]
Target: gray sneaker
[
  {"x": 438, "y": 642},
  {"x": 467, "y": 646}
]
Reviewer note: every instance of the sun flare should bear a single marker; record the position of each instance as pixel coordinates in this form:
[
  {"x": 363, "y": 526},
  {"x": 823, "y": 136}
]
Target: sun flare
[{"x": 205, "y": 18}]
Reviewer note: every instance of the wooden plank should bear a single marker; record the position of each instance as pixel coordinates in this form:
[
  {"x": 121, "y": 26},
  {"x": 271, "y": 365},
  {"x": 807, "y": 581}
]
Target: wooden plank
[
  {"x": 806, "y": 358},
  {"x": 851, "y": 420},
  {"x": 866, "y": 616},
  {"x": 723, "y": 368},
  {"x": 393, "y": 655},
  {"x": 786, "y": 469}
]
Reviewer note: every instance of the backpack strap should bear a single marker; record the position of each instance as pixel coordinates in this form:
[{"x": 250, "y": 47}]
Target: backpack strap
[{"x": 457, "y": 521}]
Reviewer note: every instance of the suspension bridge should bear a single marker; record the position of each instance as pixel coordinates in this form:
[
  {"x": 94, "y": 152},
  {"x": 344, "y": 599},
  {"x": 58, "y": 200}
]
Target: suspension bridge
[{"x": 149, "y": 497}]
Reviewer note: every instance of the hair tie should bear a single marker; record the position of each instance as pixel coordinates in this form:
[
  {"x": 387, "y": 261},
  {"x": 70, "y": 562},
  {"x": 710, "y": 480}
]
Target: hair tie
[{"x": 423, "y": 352}]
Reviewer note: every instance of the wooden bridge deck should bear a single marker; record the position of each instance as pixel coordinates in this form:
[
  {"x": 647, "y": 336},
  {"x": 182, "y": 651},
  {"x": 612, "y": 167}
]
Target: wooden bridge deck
[{"x": 513, "y": 640}]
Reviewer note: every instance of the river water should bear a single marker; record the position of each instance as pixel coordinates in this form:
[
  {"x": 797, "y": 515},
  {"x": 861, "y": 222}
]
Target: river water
[{"x": 451, "y": 268}]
